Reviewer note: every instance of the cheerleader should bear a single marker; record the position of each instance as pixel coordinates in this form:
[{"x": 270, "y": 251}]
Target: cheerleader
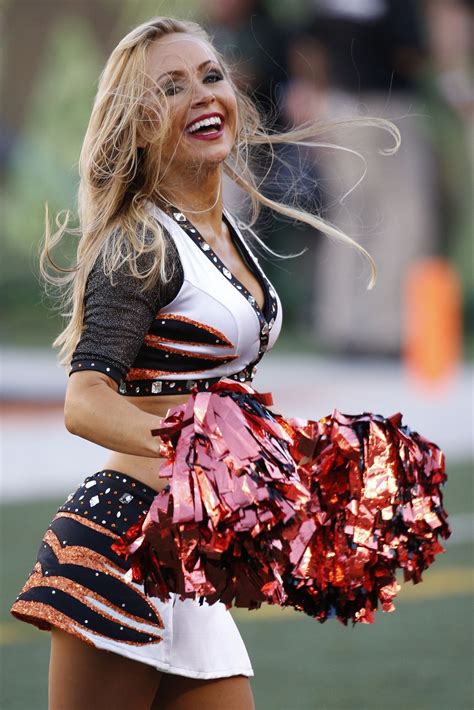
[{"x": 169, "y": 316}]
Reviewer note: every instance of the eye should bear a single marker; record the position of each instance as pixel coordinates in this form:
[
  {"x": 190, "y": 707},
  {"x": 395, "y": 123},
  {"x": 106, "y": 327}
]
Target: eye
[
  {"x": 213, "y": 76},
  {"x": 171, "y": 89}
]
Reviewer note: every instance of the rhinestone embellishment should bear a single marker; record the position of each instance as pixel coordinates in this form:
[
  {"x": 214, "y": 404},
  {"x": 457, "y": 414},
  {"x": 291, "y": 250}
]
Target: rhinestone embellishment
[
  {"x": 93, "y": 501},
  {"x": 179, "y": 216},
  {"x": 126, "y": 498},
  {"x": 227, "y": 273},
  {"x": 205, "y": 247},
  {"x": 156, "y": 387}
]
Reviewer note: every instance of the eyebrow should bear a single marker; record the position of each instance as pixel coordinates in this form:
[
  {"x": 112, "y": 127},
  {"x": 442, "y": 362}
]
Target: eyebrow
[{"x": 179, "y": 72}]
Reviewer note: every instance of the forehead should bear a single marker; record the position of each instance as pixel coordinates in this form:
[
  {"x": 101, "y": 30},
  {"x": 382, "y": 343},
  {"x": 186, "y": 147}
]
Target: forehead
[{"x": 178, "y": 52}]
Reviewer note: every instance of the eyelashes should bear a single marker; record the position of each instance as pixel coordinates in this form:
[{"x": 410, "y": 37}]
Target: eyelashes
[{"x": 212, "y": 77}]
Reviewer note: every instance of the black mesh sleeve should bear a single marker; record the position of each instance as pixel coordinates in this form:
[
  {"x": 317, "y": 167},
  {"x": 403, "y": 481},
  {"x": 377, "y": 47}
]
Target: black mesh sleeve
[{"x": 118, "y": 315}]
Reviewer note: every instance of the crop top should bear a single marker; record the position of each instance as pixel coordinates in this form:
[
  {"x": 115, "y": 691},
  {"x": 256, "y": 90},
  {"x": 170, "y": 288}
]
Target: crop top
[{"x": 200, "y": 326}]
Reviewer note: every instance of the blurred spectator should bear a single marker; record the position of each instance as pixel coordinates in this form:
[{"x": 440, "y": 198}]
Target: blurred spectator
[
  {"x": 255, "y": 45},
  {"x": 364, "y": 58},
  {"x": 450, "y": 26},
  {"x": 450, "y": 96}
]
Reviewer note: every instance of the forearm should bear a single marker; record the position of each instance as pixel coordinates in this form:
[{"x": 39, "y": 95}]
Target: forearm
[{"x": 112, "y": 421}]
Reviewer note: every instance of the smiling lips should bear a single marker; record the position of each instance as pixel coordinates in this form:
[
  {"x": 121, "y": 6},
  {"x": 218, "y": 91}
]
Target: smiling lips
[{"x": 206, "y": 127}]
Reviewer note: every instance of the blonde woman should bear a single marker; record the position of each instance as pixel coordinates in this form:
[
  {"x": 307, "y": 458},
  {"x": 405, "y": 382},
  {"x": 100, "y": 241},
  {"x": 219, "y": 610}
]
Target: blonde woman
[{"x": 166, "y": 295}]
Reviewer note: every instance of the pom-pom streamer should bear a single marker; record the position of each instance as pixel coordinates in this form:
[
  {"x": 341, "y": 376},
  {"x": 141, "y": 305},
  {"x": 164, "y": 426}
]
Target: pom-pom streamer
[{"x": 317, "y": 515}]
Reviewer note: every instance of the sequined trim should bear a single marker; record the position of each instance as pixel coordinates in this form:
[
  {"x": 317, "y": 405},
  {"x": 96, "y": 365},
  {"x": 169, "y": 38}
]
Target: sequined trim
[
  {"x": 77, "y": 554},
  {"x": 202, "y": 326},
  {"x": 80, "y": 593},
  {"x": 191, "y": 353},
  {"x": 156, "y": 340},
  {"x": 47, "y": 616},
  {"x": 138, "y": 373}
]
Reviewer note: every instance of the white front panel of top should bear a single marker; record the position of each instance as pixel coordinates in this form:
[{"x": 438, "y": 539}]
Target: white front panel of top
[{"x": 208, "y": 298}]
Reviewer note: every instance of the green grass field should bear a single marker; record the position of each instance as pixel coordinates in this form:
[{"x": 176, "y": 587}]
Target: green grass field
[{"x": 416, "y": 658}]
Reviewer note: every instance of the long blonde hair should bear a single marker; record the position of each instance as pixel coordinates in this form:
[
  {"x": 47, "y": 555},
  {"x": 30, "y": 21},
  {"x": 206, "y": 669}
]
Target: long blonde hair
[{"x": 119, "y": 174}]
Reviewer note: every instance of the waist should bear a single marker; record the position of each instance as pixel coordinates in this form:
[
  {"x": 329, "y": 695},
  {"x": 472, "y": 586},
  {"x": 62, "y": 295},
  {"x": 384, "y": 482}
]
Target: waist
[
  {"x": 143, "y": 468},
  {"x": 175, "y": 389}
]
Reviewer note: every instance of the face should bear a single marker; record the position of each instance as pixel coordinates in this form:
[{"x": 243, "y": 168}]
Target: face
[{"x": 201, "y": 103}]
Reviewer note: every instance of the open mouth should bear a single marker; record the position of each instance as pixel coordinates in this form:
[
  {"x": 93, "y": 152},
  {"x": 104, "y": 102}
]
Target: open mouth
[{"x": 206, "y": 127}]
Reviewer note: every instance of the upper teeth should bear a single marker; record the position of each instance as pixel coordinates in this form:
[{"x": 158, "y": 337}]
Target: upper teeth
[{"x": 212, "y": 121}]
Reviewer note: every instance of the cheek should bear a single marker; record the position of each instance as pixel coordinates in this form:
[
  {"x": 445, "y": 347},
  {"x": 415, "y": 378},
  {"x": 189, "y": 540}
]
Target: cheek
[{"x": 232, "y": 112}]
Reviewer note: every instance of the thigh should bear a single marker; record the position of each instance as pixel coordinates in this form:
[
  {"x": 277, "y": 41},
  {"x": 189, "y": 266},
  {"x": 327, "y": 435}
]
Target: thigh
[
  {"x": 180, "y": 693},
  {"x": 81, "y": 676}
]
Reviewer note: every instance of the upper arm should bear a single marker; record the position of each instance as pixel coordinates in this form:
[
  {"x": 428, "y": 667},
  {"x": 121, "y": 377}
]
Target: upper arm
[{"x": 117, "y": 316}]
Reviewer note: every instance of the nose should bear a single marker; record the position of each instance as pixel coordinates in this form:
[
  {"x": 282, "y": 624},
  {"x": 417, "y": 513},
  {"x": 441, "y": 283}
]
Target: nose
[{"x": 202, "y": 94}]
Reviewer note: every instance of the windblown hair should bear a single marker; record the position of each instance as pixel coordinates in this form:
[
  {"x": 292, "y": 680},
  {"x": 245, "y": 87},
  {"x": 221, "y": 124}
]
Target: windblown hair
[{"x": 121, "y": 170}]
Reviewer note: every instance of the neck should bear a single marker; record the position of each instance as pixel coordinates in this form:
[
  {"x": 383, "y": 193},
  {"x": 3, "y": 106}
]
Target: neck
[{"x": 199, "y": 197}]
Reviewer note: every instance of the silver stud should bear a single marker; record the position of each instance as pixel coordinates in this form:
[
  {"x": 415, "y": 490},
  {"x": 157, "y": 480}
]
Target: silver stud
[
  {"x": 53, "y": 591},
  {"x": 93, "y": 501},
  {"x": 137, "y": 388},
  {"x": 92, "y": 364},
  {"x": 172, "y": 384},
  {"x": 156, "y": 387},
  {"x": 107, "y": 369},
  {"x": 205, "y": 247},
  {"x": 107, "y": 490},
  {"x": 119, "y": 514},
  {"x": 227, "y": 273}
]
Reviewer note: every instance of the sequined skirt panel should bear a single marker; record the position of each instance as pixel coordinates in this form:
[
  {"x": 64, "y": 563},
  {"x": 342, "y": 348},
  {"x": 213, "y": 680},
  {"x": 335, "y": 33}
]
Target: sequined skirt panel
[{"x": 78, "y": 584}]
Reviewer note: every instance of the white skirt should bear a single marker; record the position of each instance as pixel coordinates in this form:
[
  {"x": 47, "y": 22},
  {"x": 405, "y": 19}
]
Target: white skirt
[
  {"x": 79, "y": 585},
  {"x": 196, "y": 641}
]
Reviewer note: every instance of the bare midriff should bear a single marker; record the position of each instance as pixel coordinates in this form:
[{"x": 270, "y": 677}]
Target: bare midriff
[{"x": 142, "y": 468}]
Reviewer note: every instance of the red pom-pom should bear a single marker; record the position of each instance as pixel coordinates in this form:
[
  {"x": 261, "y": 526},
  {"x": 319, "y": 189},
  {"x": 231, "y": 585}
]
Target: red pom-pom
[{"x": 314, "y": 515}]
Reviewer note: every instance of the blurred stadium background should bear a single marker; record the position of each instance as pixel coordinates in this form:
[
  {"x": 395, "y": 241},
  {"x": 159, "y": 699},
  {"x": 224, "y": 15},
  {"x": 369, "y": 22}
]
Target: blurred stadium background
[{"x": 406, "y": 346}]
